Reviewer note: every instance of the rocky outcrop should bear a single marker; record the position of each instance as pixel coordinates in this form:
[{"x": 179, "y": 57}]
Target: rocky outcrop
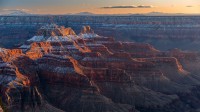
[
  {"x": 87, "y": 32},
  {"x": 67, "y": 72},
  {"x": 54, "y": 30},
  {"x": 86, "y": 29},
  {"x": 9, "y": 55}
]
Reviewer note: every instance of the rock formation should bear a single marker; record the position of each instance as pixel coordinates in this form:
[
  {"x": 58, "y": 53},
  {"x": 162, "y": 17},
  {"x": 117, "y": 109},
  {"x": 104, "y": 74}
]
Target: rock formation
[{"x": 58, "y": 70}]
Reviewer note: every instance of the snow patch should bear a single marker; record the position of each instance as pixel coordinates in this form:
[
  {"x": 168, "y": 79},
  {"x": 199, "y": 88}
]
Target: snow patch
[
  {"x": 89, "y": 35},
  {"x": 36, "y": 38},
  {"x": 24, "y": 47}
]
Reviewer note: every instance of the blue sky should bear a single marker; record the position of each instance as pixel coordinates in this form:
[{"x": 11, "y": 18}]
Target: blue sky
[{"x": 96, "y": 6}]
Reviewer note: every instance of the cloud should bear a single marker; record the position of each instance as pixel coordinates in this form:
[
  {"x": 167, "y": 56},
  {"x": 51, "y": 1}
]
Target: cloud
[
  {"x": 119, "y": 7},
  {"x": 128, "y": 6},
  {"x": 189, "y": 6},
  {"x": 145, "y": 6}
]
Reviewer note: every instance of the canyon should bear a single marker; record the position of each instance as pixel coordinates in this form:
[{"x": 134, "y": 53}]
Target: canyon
[
  {"x": 172, "y": 31},
  {"x": 58, "y": 70}
]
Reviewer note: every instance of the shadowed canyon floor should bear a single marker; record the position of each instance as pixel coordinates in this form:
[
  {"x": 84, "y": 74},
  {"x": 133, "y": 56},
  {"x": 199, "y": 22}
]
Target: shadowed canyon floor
[{"x": 58, "y": 70}]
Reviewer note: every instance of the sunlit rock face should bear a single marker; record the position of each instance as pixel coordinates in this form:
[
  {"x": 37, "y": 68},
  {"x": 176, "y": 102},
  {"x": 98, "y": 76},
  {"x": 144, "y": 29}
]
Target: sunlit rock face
[
  {"x": 57, "y": 70},
  {"x": 87, "y": 32},
  {"x": 86, "y": 29},
  {"x": 18, "y": 82}
]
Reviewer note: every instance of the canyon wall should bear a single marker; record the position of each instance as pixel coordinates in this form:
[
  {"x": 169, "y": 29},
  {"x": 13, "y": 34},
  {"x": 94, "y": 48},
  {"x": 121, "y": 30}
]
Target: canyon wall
[
  {"x": 172, "y": 31},
  {"x": 59, "y": 70}
]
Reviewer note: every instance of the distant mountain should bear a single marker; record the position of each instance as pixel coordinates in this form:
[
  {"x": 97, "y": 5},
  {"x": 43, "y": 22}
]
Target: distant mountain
[
  {"x": 156, "y": 14},
  {"x": 15, "y": 13},
  {"x": 159, "y": 14},
  {"x": 136, "y": 15},
  {"x": 19, "y": 13},
  {"x": 166, "y": 14},
  {"x": 84, "y": 13}
]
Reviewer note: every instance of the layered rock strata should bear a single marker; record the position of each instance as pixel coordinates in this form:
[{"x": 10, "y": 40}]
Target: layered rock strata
[{"x": 62, "y": 71}]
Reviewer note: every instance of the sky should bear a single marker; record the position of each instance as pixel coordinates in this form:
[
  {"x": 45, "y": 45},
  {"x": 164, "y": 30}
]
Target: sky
[{"x": 100, "y": 6}]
